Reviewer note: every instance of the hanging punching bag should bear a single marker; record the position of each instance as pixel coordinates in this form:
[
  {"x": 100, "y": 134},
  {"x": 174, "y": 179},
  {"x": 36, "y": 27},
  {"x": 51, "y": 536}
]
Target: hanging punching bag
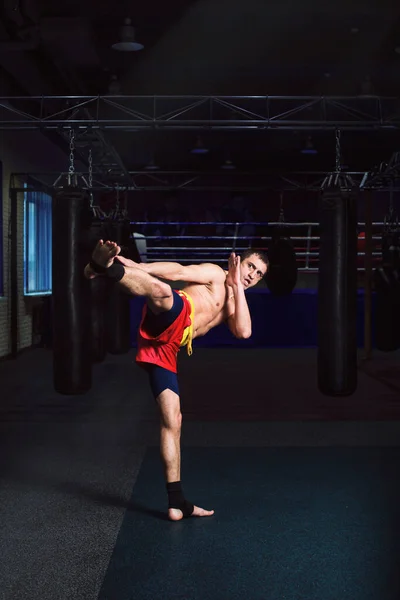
[
  {"x": 98, "y": 290},
  {"x": 387, "y": 308},
  {"x": 387, "y": 287},
  {"x": 72, "y": 366},
  {"x": 337, "y": 294},
  {"x": 281, "y": 277},
  {"x": 118, "y": 305},
  {"x": 98, "y": 296}
]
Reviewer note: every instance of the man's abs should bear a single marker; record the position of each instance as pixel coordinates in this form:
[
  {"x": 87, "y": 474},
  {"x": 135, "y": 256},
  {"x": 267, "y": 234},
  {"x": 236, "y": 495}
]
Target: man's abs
[{"x": 209, "y": 305}]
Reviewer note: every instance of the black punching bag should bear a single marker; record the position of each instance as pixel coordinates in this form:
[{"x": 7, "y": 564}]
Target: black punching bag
[
  {"x": 72, "y": 364},
  {"x": 98, "y": 291},
  {"x": 281, "y": 277},
  {"x": 387, "y": 287},
  {"x": 337, "y": 294},
  {"x": 118, "y": 306},
  {"x": 98, "y": 295}
]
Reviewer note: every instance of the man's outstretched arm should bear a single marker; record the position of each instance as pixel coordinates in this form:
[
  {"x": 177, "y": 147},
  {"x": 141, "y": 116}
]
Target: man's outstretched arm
[{"x": 205, "y": 273}]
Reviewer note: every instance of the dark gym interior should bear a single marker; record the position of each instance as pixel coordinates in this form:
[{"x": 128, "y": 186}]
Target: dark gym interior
[{"x": 185, "y": 131}]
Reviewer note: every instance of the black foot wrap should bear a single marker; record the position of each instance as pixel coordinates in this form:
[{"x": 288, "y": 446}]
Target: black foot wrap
[
  {"x": 115, "y": 272},
  {"x": 176, "y": 499}
]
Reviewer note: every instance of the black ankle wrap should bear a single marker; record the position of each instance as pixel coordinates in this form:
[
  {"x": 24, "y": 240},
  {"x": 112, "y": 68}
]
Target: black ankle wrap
[
  {"x": 176, "y": 499},
  {"x": 115, "y": 272}
]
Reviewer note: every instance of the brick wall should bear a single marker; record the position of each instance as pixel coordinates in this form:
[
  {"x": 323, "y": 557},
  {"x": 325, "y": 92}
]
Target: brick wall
[{"x": 21, "y": 152}]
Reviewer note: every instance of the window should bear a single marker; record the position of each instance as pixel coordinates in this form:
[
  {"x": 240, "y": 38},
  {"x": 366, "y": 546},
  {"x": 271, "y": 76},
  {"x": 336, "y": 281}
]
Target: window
[{"x": 38, "y": 244}]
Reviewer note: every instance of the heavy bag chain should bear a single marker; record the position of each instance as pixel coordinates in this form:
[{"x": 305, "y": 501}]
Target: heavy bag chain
[
  {"x": 281, "y": 219},
  {"x": 120, "y": 211},
  {"x": 96, "y": 210},
  {"x": 338, "y": 179},
  {"x": 391, "y": 220},
  {"x": 338, "y": 151},
  {"x": 117, "y": 204},
  {"x": 90, "y": 169},
  {"x": 72, "y": 179},
  {"x": 90, "y": 178},
  {"x": 125, "y": 211}
]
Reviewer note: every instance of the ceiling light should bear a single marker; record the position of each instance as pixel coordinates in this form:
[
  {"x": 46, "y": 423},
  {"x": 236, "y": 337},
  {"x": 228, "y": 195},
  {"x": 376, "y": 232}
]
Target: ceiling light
[
  {"x": 309, "y": 147},
  {"x": 367, "y": 88},
  {"x": 228, "y": 166},
  {"x": 127, "y": 39},
  {"x": 199, "y": 148},
  {"x": 151, "y": 166},
  {"x": 114, "y": 87}
]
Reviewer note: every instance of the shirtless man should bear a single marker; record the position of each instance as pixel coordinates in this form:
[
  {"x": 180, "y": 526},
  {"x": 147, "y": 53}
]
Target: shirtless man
[{"x": 171, "y": 319}]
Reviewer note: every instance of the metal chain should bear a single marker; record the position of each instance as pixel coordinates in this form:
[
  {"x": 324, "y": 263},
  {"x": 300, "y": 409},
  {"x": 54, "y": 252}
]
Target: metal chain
[
  {"x": 90, "y": 178},
  {"x": 338, "y": 151},
  {"x": 117, "y": 204},
  {"x": 391, "y": 207},
  {"x": 71, "y": 152},
  {"x": 391, "y": 220},
  {"x": 125, "y": 213},
  {"x": 90, "y": 169},
  {"x": 281, "y": 213}
]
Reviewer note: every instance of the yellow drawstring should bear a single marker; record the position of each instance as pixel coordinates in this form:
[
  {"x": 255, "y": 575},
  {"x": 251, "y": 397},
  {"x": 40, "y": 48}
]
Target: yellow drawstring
[{"x": 187, "y": 336}]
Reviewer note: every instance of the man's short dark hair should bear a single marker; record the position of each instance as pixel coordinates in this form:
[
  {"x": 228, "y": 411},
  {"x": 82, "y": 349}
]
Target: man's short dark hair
[{"x": 260, "y": 253}]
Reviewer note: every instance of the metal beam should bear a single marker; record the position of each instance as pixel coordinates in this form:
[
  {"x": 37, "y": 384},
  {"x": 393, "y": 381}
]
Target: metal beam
[
  {"x": 215, "y": 181},
  {"x": 27, "y": 107},
  {"x": 386, "y": 174},
  {"x": 127, "y": 113}
]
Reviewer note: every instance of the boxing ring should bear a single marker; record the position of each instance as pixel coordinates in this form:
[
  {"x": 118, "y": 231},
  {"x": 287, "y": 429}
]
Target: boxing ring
[{"x": 288, "y": 321}]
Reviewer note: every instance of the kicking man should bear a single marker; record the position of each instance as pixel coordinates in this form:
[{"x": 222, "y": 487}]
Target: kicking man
[{"x": 172, "y": 319}]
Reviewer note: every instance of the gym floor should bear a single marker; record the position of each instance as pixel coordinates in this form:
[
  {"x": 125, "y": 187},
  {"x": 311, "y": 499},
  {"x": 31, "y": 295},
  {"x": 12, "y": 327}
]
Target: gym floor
[{"x": 83, "y": 501}]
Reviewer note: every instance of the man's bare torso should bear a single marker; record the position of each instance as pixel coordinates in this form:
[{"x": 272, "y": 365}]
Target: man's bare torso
[{"x": 213, "y": 304}]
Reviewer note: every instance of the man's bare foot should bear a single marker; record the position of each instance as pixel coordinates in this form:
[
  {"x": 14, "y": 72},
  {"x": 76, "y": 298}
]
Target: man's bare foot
[
  {"x": 105, "y": 252},
  {"x": 174, "y": 514},
  {"x": 127, "y": 262},
  {"x": 103, "y": 255}
]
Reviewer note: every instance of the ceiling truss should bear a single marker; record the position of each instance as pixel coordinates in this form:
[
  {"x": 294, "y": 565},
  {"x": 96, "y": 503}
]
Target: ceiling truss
[
  {"x": 127, "y": 113},
  {"x": 385, "y": 178},
  {"x": 88, "y": 116}
]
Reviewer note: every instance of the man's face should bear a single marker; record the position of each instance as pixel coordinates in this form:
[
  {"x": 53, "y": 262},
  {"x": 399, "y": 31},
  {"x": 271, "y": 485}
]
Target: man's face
[{"x": 252, "y": 270}]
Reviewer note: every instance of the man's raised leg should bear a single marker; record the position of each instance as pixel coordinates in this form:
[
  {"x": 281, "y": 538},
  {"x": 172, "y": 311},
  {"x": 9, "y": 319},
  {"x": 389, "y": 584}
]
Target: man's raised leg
[
  {"x": 170, "y": 437},
  {"x": 139, "y": 283},
  {"x": 133, "y": 280}
]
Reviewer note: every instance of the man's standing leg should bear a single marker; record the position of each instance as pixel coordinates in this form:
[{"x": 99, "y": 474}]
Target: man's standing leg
[{"x": 170, "y": 448}]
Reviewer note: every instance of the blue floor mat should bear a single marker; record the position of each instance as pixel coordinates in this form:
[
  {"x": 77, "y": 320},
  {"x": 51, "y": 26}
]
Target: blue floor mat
[{"x": 289, "y": 524}]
